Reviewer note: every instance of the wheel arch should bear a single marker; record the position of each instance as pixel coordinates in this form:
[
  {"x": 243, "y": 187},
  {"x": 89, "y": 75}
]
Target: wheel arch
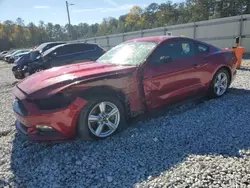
[
  {"x": 227, "y": 69},
  {"x": 96, "y": 91}
]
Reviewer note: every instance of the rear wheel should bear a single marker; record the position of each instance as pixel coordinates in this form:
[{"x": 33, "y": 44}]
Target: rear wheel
[
  {"x": 101, "y": 118},
  {"x": 220, "y": 84}
]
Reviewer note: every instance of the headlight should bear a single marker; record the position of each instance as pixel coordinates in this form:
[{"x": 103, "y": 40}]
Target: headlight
[
  {"x": 57, "y": 101},
  {"x": 14, "y": 68},
  {"x": 44, "y": 128}
]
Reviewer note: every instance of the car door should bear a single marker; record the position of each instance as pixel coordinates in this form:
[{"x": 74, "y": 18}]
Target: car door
[
  {"x": 174, "y": 79},
  {"x": 204, "y": 67}
]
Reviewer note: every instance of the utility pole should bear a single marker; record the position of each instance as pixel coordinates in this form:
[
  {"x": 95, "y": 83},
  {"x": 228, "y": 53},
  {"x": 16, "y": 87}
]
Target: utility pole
[
  {"x": 241, "y": 20},
  {"x": 69, "y": 29}
]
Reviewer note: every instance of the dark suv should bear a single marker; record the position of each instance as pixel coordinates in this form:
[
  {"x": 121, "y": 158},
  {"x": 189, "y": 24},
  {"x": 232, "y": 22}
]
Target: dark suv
[
  {"x": 60, "y": 55},
  {"x": 45, "y": 46}
]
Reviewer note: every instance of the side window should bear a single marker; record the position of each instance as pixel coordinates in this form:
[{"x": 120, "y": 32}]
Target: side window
[
  {"x": 201, "y": 48},
  {"x": 46, "y": 48},
  {"x": 158, "y": 53},
  {"x": 62, "y": 50},
  {"x": 78, "y": 48},
  {"x": 174, "y": 50},
  {"x": 74, "y": 48},
  {"x": 187, "y": 48},
  {"x": 86, "y": 47}
]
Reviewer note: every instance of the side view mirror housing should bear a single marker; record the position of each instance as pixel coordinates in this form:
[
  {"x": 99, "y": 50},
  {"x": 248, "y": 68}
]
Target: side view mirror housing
[
  {"x": 54, "y": 54},
  {"x": 165, "y": 59}
]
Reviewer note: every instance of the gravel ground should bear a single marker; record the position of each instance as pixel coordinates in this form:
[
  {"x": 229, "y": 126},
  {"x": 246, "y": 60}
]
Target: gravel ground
[{"x": 197, "y": 144}]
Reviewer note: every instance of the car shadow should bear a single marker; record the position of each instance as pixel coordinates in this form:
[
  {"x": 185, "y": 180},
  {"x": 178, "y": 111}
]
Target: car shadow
[
  {"x": 246, "y": 56},
  {"x": 244, "y": 68},
  {"x": 151, "y": 146},
  {"x": 14, "y": 83},
  {"x": 3, "y": 183}
]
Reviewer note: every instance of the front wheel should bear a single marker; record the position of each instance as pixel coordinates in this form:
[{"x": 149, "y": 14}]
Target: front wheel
[
  {"x": 39, "y": 70},
  {"x": 101, "y": 118},
  {"x": 220, "y": 84}
]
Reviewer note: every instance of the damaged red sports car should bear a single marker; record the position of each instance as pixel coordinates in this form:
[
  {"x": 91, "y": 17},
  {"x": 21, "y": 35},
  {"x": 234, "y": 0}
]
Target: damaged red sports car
[{"x": 94, "y": 99}]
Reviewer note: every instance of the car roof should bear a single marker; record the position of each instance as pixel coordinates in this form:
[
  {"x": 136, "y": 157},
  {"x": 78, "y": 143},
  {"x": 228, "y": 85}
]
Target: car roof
[
  {"x": 43, "y": 45},
  {"x": 68, "y": 44},
  {"x": 46, "y": 43},
  {"x": 157, "y": 39}
]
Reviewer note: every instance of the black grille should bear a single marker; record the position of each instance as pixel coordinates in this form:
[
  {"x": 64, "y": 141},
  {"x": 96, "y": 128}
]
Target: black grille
[
  {"x": 56, "y": 101},
  {"x": 20, "y": 108}
]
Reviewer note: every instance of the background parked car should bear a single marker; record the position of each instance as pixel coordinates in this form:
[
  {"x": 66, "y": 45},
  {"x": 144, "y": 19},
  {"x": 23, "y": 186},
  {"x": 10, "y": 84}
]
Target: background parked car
[
  {"x": 17, "y": 56},
  {"x": 25, "y": 58},
  {"x": 34, "y": 53},
  {"x": 2, "y": 54},
  {"x": 60, "y": 55},
  {"x": 8, "y": 57},
  {"x": 8, "y": 53}
]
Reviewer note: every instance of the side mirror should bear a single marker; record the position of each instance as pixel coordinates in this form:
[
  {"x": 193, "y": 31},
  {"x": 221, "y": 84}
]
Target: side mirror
[
  {"x": 54, "y": 54},
  {"x": 165, "y": 59}
]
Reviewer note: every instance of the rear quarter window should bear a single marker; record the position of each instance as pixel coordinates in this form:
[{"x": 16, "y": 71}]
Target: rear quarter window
[
  {"x": 87, "y": 47},
  {"x": 202, "y": 48}
]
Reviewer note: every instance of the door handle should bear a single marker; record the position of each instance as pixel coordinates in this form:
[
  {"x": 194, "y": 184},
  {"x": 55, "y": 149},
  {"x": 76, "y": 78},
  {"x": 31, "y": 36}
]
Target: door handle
[
  {"x": 196, "y": 65},
  {"x": 199, "y": 65}
]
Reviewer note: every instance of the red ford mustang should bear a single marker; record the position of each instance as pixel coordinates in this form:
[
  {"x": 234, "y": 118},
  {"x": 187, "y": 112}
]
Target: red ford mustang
[{"x": 94, "y": 99}]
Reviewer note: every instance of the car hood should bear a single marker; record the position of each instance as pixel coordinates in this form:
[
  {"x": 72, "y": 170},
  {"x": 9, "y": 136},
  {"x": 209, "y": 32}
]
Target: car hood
[
  {"x": 21, "y": 54},
  {"x": 51, "y": 81}
]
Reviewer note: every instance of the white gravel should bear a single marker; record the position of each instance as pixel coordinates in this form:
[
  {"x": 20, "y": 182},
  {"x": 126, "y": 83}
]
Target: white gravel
[{"x": 198, "y": 144}]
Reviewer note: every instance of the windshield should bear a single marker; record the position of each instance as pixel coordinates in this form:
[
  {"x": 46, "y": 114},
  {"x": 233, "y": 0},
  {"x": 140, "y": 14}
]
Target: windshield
[
  {"x": 49, "y": 50},
  {"x": 128, "y": 53},
  {"x": 11, "y": 52},
  {"x": 20, "y": 51},
  {"x": 40, "y": 47}
]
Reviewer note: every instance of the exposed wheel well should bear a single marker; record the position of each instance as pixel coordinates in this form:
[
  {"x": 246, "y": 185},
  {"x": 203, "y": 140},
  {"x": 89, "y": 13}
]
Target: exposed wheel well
[
  {"x": 108, "y": 91},
  {"x": 228, "y": 70}
]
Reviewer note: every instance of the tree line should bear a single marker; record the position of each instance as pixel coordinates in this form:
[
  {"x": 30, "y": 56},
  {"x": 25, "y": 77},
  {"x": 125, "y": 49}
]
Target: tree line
[{"x": 15, "y": 34}]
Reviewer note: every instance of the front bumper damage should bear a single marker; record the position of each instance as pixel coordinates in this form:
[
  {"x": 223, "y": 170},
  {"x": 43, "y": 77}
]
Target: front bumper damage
[{"x": 38, "y": 125}]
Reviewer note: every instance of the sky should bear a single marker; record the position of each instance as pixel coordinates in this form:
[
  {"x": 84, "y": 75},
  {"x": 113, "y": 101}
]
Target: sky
[{"x": 85, "y": 11}]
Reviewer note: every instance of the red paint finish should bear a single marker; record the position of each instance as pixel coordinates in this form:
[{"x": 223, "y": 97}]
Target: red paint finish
[
  {"x": 170, "y": 81},
  {"x": 145, "y": 87},
  {"x": 63, "y": 121},
  {"x": 51, "y": 81}
]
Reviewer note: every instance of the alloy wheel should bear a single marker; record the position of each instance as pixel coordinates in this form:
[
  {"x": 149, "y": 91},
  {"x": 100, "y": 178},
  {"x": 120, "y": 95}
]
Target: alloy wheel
[
  {"x": 103, "y": 119},
  {"x": 221, "y": 84}
]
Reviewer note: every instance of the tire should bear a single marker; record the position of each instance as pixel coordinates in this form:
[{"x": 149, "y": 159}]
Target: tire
[
  {"x": 87, "y": 130},
  {"x": 214, "y": 92},
  {"x": 39, "y": 69}
]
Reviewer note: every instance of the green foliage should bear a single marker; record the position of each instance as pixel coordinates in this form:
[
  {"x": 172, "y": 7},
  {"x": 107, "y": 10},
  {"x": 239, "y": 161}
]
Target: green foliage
[{"x": 18, "y": 35}]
